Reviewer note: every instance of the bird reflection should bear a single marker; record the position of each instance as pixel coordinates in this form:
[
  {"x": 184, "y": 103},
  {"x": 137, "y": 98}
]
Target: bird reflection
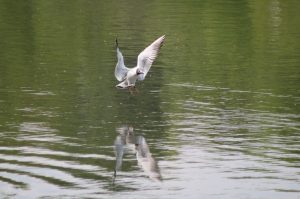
[{"x": 127, "y": 142}]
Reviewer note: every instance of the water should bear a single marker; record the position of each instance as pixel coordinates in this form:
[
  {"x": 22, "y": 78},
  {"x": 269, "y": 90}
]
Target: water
[{"x": 217, "y": 117}]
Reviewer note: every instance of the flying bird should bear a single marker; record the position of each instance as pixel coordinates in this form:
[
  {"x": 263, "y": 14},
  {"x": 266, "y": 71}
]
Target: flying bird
[{"x": 128, "y": 76}]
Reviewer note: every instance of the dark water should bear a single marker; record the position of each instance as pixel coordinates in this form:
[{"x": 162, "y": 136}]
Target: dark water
[{"x": 217, "y": 117}]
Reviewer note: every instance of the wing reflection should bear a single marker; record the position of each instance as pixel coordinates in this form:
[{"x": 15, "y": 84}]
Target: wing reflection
[
  {"x": 126, "y": 142},
  {"x": 122, "y": 141}
]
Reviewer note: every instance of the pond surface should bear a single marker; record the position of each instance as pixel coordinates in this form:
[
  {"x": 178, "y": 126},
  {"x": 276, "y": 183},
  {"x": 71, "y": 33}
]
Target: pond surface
[{"x": 217, "y": 116}]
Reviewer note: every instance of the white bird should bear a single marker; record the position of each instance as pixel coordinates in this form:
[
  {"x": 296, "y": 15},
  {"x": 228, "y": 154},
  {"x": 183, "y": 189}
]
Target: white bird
[{"x": 128, "y": 76}]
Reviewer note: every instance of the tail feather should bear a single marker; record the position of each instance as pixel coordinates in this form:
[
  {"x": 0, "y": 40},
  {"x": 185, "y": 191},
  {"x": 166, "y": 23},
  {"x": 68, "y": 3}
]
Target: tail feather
[{"x": 122, "y": 85}]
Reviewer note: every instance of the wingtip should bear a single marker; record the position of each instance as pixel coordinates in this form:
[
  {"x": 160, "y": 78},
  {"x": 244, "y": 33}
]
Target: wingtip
[
  {"x": 117, "y": 44},
  {"x": 162, "y": 38}
]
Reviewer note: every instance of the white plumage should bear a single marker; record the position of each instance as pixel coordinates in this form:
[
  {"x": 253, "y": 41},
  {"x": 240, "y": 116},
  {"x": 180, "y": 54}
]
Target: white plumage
[{"x": 128, "y": 76}]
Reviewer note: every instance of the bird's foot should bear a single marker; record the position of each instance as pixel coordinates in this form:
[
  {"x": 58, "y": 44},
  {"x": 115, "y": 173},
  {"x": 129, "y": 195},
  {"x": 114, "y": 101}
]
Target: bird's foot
[
  {"x": 133, "y": 90},
  {"x": 130, "y": 89}
]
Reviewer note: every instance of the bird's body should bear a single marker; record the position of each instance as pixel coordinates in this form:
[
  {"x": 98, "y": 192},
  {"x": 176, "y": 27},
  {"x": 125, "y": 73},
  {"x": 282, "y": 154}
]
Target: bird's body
[{"x": 129, "y": 76}]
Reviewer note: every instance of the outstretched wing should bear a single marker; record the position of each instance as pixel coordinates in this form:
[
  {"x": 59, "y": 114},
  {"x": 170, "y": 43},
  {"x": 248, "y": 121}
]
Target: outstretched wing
[
  {"x": 148, "y": 55},
  {"x": 120, "y": 70}
]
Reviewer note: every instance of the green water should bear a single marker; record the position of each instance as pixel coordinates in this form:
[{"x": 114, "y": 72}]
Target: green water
[{"x": 217, "y": 116}]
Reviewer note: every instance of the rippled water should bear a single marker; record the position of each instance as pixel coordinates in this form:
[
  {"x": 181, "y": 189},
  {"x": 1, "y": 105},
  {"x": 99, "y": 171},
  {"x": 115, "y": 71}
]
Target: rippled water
[{"x": 217, "y": 117}]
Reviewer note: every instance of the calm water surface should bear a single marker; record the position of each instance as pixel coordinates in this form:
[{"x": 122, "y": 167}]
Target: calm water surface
[{"x": 217, "y": 117}]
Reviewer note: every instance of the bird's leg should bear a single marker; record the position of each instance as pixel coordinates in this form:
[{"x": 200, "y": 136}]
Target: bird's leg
[
  {"x": 133, "y": 90},
  {"x": 130, "y": 90},
  {"x": 136, "y": 90}
]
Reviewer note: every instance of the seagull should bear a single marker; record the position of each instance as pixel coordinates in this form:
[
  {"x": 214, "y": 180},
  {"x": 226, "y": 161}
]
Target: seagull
[{"x": 128, "y": 76}]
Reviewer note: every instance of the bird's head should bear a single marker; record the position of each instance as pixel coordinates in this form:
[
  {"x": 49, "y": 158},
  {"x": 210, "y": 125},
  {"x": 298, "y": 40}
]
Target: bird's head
[{"x": 138, "y": 71}]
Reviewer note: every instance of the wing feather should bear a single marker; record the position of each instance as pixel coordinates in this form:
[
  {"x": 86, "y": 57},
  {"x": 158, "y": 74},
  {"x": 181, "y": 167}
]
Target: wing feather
[
  {"x": 148, "y": 55},
  {"x": 120, "y": 70}
]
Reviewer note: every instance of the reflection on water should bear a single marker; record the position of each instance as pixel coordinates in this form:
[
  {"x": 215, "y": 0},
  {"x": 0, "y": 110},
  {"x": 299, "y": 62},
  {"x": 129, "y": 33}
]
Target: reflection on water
[
  {"x": 217, "y": 117},
  {"x": 137, "y": 145}
]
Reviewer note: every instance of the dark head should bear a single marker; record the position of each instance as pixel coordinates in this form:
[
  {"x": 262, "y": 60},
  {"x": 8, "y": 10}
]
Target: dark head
[{"x": 138, "y": 71}]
